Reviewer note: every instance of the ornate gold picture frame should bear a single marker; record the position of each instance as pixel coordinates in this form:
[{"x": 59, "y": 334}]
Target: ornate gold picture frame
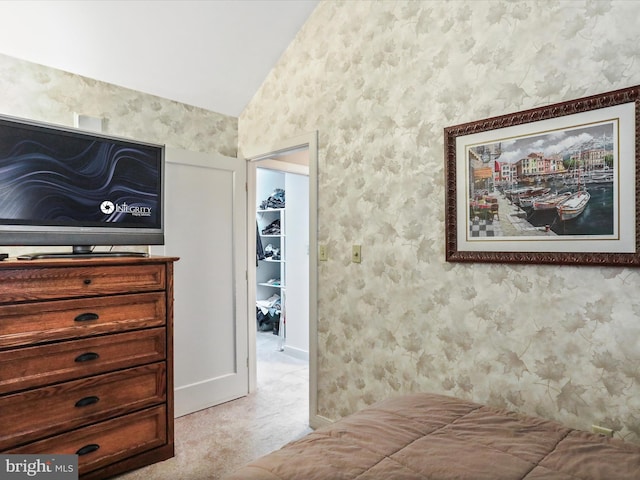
[{"x": 555, "y": 184}]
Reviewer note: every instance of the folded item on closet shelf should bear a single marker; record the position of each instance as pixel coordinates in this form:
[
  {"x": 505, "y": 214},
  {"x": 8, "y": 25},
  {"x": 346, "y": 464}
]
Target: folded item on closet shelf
[
  {"x": 275, "y": 200},
  {"x": 269, "y": 305},
  {"x": 273, "y": 228},
  {"x": 274, "y": 281},
  {"x": 272, "y": 252}
]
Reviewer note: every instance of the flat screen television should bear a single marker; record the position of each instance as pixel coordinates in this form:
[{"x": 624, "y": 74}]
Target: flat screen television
[{"x": 62, "y": 186}]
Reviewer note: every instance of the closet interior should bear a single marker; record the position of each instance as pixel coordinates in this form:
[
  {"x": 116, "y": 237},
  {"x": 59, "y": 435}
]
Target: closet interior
[{"x": 282, "y": 258}]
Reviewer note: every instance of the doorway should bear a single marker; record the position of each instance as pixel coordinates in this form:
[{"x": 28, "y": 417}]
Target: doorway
[
  {"x": 282, "y": 253},
  {"x": 293, "y": 150}
]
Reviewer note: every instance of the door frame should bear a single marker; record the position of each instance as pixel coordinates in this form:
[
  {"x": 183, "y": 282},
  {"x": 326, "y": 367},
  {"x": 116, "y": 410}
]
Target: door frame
[{"x": 305, "y": 141}]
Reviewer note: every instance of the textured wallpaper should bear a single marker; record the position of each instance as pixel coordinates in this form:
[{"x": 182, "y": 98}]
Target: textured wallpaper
[
  {"x": 32, "y": 91},
  {"x": 379, "y": 81}
]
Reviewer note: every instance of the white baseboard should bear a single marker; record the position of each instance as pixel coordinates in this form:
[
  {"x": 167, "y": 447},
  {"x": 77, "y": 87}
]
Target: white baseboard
[
  {"x": 317, "y": 421},
  {"x": 296, "y": 353}
]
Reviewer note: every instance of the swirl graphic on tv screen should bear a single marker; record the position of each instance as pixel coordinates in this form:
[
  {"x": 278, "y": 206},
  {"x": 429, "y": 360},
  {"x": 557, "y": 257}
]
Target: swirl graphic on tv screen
[{"x": 62, "y": 180}]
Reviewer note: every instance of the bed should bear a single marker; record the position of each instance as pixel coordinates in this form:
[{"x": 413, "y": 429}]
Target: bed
[{"x": 427, "y": 436}]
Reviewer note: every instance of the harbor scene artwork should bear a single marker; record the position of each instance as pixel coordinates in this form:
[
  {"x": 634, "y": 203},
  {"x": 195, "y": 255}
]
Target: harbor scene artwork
[{"x": 557, "y": 183}]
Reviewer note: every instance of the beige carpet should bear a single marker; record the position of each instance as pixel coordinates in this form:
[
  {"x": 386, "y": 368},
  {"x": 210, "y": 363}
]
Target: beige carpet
[{"x": 214, "y": 442}]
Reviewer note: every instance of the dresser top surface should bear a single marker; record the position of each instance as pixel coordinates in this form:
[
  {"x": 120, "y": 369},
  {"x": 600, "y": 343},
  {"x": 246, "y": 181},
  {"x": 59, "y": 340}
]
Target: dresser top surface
[{"x": 13, "y": 263}]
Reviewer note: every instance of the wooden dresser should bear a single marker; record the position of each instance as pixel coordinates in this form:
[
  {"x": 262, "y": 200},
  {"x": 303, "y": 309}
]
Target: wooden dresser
[{"x": 86, "y": 360}]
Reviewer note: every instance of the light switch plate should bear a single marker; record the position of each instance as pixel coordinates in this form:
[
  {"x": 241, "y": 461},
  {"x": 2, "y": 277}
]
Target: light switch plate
[{"x": 322, "y": 253}]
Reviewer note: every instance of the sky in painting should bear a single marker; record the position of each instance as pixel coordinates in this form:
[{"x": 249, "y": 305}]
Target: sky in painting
[{"x": 557, "y": 142}]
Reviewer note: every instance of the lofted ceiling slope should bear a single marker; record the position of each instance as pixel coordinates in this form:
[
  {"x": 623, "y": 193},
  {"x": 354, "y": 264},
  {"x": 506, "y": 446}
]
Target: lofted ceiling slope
[{"x": 212, "y": 54}]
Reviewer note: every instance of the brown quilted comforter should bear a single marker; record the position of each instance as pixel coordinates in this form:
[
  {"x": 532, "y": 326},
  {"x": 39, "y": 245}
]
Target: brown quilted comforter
[{"x": 425, "y": 436}]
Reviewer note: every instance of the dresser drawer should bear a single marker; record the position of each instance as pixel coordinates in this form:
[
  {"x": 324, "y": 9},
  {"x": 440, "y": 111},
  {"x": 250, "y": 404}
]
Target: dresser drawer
[
  {"x": 71, "y": 282},
  {"x": 37, "y": 366},
  {"x": 45, "y": 411},
  {"x": 31, "y": 323},
  {"x": 110, "y": 441}
]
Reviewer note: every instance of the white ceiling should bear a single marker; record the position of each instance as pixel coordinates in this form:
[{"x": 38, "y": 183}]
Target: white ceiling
[{"x": 213, "y": 54}]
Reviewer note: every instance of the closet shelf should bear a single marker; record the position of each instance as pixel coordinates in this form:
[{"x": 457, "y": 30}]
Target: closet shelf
[{"x": 270, "y": 210}]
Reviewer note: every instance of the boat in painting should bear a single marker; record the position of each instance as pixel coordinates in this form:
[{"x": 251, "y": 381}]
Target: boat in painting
[
  {"x": 550, "y": 201},
  {"x": 526, "y": 201},
  {"x": 525, "y": 198},
  {"x": 600, "y": 178},
  {"x": 574, "y": 205}
]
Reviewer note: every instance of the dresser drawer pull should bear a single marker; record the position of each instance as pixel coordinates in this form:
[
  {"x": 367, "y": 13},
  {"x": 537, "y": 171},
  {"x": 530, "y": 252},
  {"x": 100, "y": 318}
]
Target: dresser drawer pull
[
  {"x": 85, "y": 357},
  {"x": 86, "y": 401},
  {"x": 92, "y": 447},
  {"x": 86, "y": 317},
  {"x": 87, "y": 281}
]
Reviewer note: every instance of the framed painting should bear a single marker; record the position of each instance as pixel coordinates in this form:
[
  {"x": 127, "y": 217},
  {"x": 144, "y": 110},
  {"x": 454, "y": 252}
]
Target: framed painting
[{"x": 556, "y": 184}]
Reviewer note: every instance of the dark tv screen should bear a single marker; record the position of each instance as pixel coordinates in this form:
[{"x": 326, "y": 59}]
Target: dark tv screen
[{"x": 68, "y": 187}]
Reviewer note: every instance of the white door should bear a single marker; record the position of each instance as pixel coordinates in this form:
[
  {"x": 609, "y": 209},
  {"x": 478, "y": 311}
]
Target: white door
[{"x": 205, "y": 222}]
